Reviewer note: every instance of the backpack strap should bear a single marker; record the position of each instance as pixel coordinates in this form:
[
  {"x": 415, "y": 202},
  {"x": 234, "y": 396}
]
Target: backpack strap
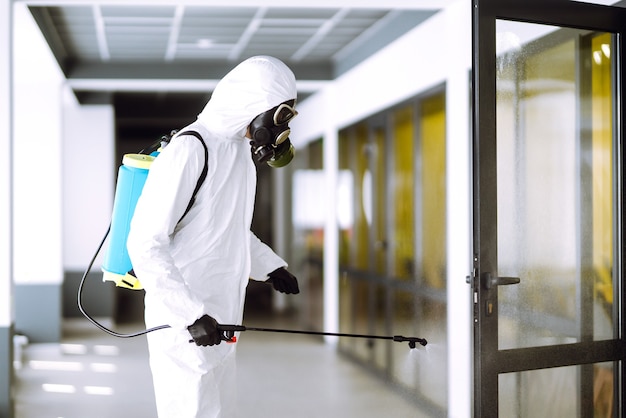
[{"x": 205, "y": 170}]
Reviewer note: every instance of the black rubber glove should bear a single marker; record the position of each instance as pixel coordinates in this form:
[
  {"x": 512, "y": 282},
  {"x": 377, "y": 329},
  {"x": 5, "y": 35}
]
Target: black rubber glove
[
  {"x": 283, "y": 281},
  {"x": 204, "y": 331}
]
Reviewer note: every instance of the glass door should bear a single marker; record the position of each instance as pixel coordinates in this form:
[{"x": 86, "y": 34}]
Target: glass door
[{"x": 547, "y": 280}]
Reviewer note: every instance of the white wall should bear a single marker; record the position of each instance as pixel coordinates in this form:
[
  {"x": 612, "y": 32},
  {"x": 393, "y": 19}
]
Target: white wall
[
  {"x": 88, "y": 180},
  {"x": 458, "y": 35},
  {"x": 436, "y": 52},
  {"x": 36, "y": 156},
  {"x": 64, "y": 175},
  {"x": 410, "y": 65}
]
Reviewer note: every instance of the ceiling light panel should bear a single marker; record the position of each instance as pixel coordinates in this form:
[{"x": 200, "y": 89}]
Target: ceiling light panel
[
  {"x": 135, "y": 33},
  {"x": 287, "y": 13},
  {"x": 75, "y": 28},
  {"x": 211, "y": 32},
  {"x": 101, "y": 38}
]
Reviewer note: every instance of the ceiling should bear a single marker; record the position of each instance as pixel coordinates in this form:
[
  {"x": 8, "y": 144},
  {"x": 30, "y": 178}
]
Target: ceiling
[{"x": 165, "y": 57}]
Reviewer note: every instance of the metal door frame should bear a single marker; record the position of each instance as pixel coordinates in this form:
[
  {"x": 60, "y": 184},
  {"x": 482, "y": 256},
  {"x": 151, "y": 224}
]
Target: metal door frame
[{"x": 489, "y": 361}]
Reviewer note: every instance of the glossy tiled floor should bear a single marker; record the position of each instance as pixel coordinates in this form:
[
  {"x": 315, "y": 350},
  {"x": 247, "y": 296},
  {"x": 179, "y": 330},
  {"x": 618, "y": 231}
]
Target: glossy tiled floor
[{"x": 93, "y": 375}]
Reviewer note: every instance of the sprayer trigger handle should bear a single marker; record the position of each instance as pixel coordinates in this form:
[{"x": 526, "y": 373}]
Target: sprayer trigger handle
[
  {"x": 228, "y": 336},
  {"x": 227, "y": 327},
  {"x": 228, "y": 332}
]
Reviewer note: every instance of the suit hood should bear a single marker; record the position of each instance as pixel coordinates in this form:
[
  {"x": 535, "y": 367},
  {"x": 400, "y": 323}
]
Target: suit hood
[{"x": 251, "y": 88}]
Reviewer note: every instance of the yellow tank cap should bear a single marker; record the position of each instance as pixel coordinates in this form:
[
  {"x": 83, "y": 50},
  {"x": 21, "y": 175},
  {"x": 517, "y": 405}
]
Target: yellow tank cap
[
  {"x": 127, "y": 281},
  {"x": 138, "y": 160}
]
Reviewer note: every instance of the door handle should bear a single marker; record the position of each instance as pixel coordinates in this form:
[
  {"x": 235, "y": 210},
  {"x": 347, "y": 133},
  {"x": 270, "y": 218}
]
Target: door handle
[{"x": 491, "y": 281}]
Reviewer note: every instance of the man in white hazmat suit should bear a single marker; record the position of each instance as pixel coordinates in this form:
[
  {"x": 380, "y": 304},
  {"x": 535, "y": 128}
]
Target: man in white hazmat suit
[{"x": 195, "y": 270}]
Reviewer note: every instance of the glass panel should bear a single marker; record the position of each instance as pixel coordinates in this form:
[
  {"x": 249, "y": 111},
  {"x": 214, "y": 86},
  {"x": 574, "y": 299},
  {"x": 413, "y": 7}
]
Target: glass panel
[
  {"x": 423, "y": 368},
  {"x": 383, "y": 290},
  {"x": 379, "y": 202},
  {"x": 347, "y": 303},
  {"x": 308, "y": 231},
  {"x": 554, "y": 185},
  {"x": 404, "y": 323},
  {"x": 430, "y": 298},
  {"x": 353, "y": 315},
  {"x": 403, "y": 191},
  {"x": 354, "y": 239},
  {"x": 602, "y": 181},
  {"x": 344, "y": 197},
  {"x": 555, "y": 392},
  {"x": 380, "y": 348},
  {"x": 378, "y": 210},
  {"x": 603, "y": 391},
  {"x": 432, "y": 253},
  {"x": 346, "y": 309},
  {"x": 359, "y": 168}
]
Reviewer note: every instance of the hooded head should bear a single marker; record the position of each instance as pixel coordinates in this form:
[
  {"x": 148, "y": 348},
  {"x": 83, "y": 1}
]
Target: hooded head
[{"x": 256, "y": 85}]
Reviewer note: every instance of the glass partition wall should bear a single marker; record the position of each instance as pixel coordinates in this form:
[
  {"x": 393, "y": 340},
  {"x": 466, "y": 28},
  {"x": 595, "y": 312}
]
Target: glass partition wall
[{"x": 392, "y": 244}]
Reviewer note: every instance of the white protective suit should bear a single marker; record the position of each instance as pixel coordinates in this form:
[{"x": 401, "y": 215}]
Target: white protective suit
[{"x": 202, "y": 264}]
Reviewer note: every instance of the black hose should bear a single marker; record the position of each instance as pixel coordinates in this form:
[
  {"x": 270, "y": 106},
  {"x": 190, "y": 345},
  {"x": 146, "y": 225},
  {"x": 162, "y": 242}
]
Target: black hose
[
  {"x": 148, "y": 150},
  {"x": 92, "y": 320}
]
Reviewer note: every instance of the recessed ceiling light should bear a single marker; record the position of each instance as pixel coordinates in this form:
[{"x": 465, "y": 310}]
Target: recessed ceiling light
[{"x": 204, "y": 43}]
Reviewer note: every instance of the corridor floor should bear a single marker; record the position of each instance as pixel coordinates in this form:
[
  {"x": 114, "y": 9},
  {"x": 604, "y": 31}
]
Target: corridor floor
[{"x": 93, "y": 375}]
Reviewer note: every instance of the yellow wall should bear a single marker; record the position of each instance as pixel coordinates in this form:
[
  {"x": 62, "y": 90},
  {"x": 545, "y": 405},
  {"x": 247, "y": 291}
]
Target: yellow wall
[
  {"x": 433, "y": 140},
  {"x": 602, "y": 134},
  {"x": 402, "y": 184}
]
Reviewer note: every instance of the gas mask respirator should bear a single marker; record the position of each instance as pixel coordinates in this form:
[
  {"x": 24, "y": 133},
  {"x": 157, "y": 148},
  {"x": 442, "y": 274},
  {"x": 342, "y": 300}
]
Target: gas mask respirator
[{"x": 269, "y": 134}]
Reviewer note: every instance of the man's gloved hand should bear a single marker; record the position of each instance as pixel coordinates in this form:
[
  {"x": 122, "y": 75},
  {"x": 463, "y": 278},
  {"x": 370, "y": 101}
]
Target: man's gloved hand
[
  {"x": 204, "y": 331},
  {"x": 283, "y": 281}
]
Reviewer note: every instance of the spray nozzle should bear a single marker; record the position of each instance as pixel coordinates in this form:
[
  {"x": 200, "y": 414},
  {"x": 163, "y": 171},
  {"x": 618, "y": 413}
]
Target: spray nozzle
[{"x": 411, "y": 340}]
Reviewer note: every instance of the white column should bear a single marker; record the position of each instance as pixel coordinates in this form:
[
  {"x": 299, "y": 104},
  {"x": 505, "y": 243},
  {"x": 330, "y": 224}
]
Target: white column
[
  {"x": 89, "y": 173},
  {"x": 6, "y": 136},
  {"x": 37, "y": 237},
  {"x": 37, "y": 167},
  {"x": 458, "y": 219},
  {"x": 88, "y": 181},
  {"x": 331, "y": 234},
  {"x": 6, "y": 234}
]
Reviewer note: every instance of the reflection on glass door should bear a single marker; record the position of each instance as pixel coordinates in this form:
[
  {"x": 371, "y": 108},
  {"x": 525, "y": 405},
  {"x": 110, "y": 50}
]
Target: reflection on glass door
[
  {"x": 552, "y": 198},
  {"x": 554, "y": 188},
  {"x": 548, "y": 211}
]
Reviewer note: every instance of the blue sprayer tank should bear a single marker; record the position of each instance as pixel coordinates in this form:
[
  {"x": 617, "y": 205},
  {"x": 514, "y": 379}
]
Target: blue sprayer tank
[{"x": 131, "y": 178}]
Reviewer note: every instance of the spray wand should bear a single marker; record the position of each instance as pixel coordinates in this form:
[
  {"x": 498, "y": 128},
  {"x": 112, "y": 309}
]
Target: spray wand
[
  {"x": 228, "y": 334},
  {"x": 228, "y": 331}
]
